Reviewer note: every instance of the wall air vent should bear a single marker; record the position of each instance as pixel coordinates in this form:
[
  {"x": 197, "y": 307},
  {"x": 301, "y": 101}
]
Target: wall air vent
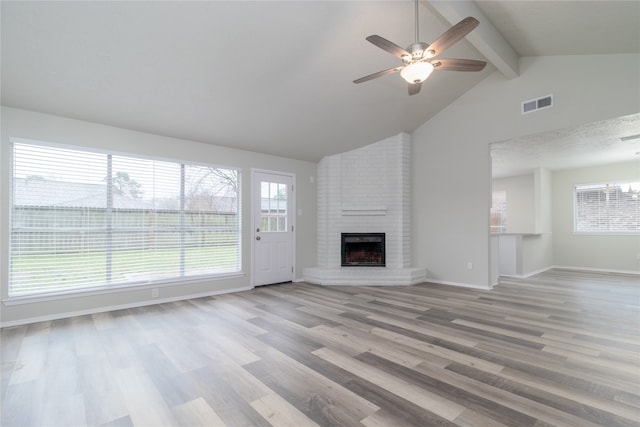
[{"x": 537, "y": 104}]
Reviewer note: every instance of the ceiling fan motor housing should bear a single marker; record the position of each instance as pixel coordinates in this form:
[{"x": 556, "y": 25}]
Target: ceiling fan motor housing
[{"x": 417, "y": 51}]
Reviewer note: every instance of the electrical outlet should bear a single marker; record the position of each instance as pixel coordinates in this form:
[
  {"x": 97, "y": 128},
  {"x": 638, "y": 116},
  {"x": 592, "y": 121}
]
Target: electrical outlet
[
  {"x": 155, "y": 293},
  {"x": 469, "y": 265}
]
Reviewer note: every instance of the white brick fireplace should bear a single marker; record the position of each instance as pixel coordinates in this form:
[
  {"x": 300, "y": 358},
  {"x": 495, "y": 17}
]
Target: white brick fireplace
[{"x": 366, "y": 191}]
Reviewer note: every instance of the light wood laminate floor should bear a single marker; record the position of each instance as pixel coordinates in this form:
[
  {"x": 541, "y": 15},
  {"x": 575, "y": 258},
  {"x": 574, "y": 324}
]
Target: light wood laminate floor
[{"x": 561, "y": 348}]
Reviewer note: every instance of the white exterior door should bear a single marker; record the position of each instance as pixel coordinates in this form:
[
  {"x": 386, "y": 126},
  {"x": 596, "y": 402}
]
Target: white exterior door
[{"x": 273, "y": 204}]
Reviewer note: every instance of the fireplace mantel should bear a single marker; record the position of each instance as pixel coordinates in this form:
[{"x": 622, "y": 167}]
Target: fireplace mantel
[{"x": 364, "y": 210}]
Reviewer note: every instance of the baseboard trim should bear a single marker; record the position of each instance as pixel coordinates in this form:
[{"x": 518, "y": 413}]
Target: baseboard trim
[
  {"x": 96, "y": 310},
  {"x": 596, "y": 270},
  {"x": 526, "y": 276},
  {"x": 460, "y": 284}
]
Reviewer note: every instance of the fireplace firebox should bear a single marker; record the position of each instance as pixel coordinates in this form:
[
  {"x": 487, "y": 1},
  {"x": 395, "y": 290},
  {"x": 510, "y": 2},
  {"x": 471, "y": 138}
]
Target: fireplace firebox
[{"x": 363, "y": 249}]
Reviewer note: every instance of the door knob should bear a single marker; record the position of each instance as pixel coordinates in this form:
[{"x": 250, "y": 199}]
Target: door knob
[{"x": 257, "y": 237}]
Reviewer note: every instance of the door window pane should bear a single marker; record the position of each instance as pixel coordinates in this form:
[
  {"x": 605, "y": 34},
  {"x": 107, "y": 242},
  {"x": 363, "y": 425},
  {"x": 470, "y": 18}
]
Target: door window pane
[{"x": 273, "y": 206}]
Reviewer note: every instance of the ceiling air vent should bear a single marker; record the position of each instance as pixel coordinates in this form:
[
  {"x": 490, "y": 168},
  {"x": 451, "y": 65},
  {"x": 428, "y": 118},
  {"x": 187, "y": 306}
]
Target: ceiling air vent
[{"x": 537, "y": 104}]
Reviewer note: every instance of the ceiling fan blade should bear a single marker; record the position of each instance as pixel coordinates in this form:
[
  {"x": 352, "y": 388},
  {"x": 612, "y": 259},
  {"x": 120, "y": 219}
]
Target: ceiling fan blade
[
  {"x": 453, "y": 35},
  {"x": 458, "y": 64},
  {"x": 385, "y": 44},
  {"x": 378, "y": 74},
  {"x": 414, "y": 88}
]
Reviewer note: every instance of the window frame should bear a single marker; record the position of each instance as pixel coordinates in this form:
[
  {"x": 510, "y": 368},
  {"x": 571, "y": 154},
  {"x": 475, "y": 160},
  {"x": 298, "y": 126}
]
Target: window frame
[
  {"x": 498, "y": 212},
  {"x": 105, "y": 286},
  {"x": 593, "y": 232}
]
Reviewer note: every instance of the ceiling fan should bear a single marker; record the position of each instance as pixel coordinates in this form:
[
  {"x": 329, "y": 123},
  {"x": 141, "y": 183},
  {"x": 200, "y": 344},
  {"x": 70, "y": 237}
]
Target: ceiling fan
[{"x": 418, "y": 59}]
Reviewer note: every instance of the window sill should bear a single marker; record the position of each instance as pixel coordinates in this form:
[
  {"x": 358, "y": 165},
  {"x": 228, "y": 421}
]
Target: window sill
[{"x": 88, "y": 292}]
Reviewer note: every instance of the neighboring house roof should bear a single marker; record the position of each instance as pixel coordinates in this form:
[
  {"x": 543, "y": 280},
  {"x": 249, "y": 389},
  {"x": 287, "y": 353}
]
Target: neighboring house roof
[
  {"x": 273, "y": 204},
  {"x": 98, "y": 200},
  {"x": 47, "y": 193}
]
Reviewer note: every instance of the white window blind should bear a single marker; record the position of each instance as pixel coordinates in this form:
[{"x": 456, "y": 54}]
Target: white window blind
[
  {"x": 82, "y": 220},
  {"x": 607, "y": 208}
]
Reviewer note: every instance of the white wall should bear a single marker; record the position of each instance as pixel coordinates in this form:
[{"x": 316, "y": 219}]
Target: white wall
[
  {"x": 612, "y": 252},
  {"x": 537, "y": 254},
  {"x": 526, "y": 247},
  {"x": 538, "y": 249},
  {"x": 25, "y": 124},
  {"x": 520, "y": 202},
  {"x": 451, "y": 172}
]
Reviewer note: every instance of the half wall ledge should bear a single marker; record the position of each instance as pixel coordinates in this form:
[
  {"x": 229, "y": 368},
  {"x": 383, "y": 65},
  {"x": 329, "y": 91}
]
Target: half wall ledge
[{"x": 365, "y": 276}]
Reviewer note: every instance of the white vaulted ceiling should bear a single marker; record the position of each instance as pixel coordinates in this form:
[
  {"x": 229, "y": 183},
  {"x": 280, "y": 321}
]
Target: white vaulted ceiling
[
  {"x": 266, "y": 76},
  {"x": 542, "y": 28}
]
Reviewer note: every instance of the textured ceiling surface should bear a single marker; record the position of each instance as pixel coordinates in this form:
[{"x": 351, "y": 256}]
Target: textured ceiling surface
[
  {"x": 591, "y": 144},
  {"x": 267, "y": 76}
]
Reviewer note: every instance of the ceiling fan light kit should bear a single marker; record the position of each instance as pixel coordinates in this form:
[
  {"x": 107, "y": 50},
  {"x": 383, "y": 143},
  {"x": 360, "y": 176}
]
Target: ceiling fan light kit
[
  {"x": 416, "y": 72},
  {"x": 416, "y": 59}
]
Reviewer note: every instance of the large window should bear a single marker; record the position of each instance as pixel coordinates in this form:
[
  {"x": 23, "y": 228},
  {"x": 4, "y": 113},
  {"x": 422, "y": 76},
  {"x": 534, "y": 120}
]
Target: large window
[
  {"x": 607, "y": 208},
  {"x": 82, "y": 219}
]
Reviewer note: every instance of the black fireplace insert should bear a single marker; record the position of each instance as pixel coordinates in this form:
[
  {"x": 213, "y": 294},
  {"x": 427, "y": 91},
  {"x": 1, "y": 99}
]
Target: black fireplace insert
[{"x": 363, "y": 249}]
